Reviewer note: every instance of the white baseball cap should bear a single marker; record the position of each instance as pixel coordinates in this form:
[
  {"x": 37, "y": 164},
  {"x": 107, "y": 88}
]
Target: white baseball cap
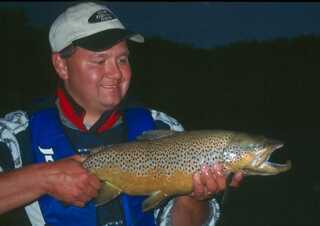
[{"x": 89, "y": 25}]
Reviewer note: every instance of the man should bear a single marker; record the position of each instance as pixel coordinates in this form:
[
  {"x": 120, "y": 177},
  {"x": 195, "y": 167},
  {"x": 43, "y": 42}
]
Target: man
[{"x": 43, "y": 181}]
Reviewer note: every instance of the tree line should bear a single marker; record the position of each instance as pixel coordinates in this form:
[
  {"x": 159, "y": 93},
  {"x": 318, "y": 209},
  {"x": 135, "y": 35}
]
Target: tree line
[{"x": 242, "y": 85}]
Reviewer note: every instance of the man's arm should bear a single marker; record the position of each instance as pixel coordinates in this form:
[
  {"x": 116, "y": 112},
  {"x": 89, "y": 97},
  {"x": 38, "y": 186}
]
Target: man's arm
[
  {"x": 65, "y": 180},
  {"x": 189, "y": 211},
  {"x": 194, "y": 210}
]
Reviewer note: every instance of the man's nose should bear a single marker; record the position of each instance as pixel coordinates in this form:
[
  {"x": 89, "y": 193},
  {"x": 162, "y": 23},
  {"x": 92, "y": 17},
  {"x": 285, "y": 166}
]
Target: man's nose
[{"x": 113, "y": 70}]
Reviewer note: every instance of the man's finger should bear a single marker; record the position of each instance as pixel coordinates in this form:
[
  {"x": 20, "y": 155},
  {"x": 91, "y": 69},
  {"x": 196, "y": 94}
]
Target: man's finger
[
  {"x": 237, "y": 178},
  {"x": 197, "y": 185},
  {"x": 78, "y": 158},
  {"x": 220, "y": 179},
  {"x": 95, "y": 182},
  {"x": 208, "y": 179}
]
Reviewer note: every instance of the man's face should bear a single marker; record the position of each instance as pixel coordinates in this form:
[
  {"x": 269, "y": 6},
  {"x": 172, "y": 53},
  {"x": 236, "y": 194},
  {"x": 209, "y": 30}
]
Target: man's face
[{"x": 98, "y": 80}]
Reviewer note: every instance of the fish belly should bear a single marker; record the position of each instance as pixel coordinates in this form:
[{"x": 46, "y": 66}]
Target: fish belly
[{"x": 128, "y": 182}]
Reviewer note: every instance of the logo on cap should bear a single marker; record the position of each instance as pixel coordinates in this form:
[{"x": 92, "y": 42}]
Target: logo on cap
[{"x": 101, "y": 15}]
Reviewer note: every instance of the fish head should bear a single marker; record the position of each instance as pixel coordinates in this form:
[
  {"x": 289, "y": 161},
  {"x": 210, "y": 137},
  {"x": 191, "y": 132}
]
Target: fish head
[{"x": 250, "y": 154}]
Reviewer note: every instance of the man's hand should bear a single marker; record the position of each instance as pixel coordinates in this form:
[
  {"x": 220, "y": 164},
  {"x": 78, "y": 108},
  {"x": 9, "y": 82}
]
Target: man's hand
[
  {"x": 68, "y": 181},
  {"x": 192, "y": 210},
  {"x": 211, "y": 180}
]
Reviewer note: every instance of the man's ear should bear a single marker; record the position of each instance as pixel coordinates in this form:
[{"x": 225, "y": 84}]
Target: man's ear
[{"x": 60, "y": 66}]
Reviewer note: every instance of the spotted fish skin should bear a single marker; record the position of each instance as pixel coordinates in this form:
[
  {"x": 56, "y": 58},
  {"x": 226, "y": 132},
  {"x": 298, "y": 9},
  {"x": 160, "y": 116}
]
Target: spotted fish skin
[{"x": 161, "y": 163}]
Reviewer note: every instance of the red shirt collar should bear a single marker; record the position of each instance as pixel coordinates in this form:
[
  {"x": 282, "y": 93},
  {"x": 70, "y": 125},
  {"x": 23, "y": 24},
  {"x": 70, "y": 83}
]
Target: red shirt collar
[{"x": 75, "y": 114}]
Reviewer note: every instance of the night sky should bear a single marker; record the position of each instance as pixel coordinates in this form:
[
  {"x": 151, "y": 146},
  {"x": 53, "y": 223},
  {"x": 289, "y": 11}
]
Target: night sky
[{"x": 202, "y": 24}]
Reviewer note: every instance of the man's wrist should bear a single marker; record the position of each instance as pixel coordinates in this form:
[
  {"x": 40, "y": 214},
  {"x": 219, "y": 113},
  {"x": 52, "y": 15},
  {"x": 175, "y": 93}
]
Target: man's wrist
[
  {"x": 164, "y": 216},
  {"x": 42, "y": 177}
]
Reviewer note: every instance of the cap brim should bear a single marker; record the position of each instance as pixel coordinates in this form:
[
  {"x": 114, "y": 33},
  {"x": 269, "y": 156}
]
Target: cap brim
[{"x": 106, "y": 39}]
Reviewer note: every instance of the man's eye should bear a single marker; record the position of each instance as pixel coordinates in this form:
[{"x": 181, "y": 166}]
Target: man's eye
[
  {"x": 99, "y": 61},
  {"x": 123, "y": 60}
]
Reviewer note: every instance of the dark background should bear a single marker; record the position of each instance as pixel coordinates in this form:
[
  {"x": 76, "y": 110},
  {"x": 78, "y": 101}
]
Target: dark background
[{"x": 267, "y": 87}]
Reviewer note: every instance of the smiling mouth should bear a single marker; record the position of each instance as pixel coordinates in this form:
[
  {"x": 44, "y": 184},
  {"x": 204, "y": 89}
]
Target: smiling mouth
[{"x": 115, "y": 86}]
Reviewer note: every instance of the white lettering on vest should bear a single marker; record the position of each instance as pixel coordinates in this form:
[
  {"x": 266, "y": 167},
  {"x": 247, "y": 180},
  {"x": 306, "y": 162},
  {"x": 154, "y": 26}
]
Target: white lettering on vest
[{"x": 48, "y": 152}]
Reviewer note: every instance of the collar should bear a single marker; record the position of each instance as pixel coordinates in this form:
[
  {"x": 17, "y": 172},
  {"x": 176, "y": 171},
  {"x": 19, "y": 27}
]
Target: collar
[{"x": 75, "y": 113}]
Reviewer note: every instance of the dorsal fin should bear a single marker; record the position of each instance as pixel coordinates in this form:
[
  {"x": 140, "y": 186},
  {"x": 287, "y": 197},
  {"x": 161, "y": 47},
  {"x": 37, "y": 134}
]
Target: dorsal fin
[{"x": 156, "y": 134}]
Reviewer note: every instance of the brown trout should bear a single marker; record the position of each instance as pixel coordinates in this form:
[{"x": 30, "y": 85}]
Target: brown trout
[{"x": 160, "y": 163}]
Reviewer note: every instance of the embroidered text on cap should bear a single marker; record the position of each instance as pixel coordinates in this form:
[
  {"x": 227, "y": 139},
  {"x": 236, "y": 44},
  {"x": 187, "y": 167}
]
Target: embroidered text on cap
[{"x": 101, "y": 15}]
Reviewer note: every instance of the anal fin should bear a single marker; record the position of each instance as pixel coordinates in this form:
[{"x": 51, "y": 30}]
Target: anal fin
[
  {"x": 106, "y": 193},
  {"x": 153, "y": 200}
]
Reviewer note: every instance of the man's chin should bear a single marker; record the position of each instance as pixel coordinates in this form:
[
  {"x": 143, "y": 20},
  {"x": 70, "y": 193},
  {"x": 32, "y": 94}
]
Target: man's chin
[
  {"x": 111, "y": 105},
  {"x": 112, "y": 100}
]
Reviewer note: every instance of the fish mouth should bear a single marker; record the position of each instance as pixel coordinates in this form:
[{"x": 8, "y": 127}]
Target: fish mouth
[{"x": 261, "y": 165}]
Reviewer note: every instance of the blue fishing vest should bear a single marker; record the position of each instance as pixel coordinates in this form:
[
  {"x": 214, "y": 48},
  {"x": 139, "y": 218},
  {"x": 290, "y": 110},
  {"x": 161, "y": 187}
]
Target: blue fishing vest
[{"x": 49, "y": 143}]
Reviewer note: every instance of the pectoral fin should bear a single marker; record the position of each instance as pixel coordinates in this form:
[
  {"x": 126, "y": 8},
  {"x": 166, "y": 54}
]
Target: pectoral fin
[
  {"x": 153, "y": 200},
  {"x": 106, "y": 193}
]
